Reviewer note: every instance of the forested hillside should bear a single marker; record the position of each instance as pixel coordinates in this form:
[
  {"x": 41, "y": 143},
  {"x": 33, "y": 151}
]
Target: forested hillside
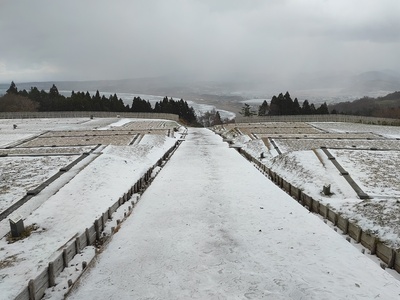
[{"x": 387, "y": 106}]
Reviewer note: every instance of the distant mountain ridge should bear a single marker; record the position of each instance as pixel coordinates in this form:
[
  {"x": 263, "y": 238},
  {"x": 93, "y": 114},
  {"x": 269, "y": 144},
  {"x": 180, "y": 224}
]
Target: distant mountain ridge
[
  {"x": 318, "y": 86},
  {"x": 367, "y": 82}
]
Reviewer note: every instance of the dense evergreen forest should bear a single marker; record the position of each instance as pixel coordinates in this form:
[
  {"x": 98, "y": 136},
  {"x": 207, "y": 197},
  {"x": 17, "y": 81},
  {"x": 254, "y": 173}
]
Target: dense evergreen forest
[
  {"x": 284, "y": 105},
  {"x": 386, "y": 107},
  {"x": 36, "y": 100}
]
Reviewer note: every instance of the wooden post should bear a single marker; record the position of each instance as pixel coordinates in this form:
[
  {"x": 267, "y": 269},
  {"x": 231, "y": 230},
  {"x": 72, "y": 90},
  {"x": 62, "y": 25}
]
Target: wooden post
[
  {"x": 77, "y": 245},
  {"x": 87, "y": 236},
  {"x": 358, "y": 238},
  {"x": 103, "y": 223},
  {"x": 52, "y": 278},
  {"x": 392, "y": 259},
  {"x": 32, "y": 290},
  {"x": 310, "y": 208},
  {"x": 373, "y": 247},
  {"x": 346, "y": 226},
  {"x": 65, "y": 258},
  {"x": 335, "y": 219},
  {"x": 97, "y": 229}
]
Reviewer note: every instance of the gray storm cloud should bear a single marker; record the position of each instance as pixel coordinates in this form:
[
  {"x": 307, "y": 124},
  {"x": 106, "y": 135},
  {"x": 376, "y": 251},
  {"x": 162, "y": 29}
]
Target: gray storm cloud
[{"x": 85, "y": 40}]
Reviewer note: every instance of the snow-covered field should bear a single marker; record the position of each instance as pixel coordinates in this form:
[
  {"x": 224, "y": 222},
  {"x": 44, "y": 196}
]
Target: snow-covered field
[
  {"x": 305, "y": 166},
  {"x": 213, "y": 227},
  {"x": 224, "y": 231},
  {"x": 73, "y": 201},
  {"x": 298, "y": 144},
  {"x": 19, "y": 174}
]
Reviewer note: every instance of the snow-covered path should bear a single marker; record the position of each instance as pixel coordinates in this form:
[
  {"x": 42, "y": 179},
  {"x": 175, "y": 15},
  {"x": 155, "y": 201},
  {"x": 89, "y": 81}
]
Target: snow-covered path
[{"x": 211, "y": 226}]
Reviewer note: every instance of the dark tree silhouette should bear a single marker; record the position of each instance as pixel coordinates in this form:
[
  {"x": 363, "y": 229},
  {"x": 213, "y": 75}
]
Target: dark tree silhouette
[
  {"x": 263, "y": 108},
  {"x": 12, "y": 89}
]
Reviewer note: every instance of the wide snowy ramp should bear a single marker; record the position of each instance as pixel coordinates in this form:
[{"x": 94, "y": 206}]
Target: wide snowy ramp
[{"x": 211, "y": 226}]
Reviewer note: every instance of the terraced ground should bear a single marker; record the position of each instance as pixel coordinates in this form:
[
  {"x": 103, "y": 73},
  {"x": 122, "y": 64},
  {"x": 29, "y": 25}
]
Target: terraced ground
[
  {"x": 111, "y": 155},
  {"x": 369, "y": 153},
  {"x": 116, "y": 153}
]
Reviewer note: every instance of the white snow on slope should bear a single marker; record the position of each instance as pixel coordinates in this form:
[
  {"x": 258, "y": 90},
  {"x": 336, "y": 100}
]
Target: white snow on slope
[
  {"x": 227, "y": 233},
  {"x": 74, "y": 208},
  {"x": 386, "y": 131}
]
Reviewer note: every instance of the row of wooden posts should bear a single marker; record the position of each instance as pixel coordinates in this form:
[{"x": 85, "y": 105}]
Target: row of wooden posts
[
  {"x": 389, "y": 256},
  {"x": 90, "y": 236}
]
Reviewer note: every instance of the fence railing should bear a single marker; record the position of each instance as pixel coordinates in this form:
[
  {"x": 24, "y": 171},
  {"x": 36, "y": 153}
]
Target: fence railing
[
  {"x": 86, "y": 114},
  {"x": 390, "y": 257},
  {"x": 319, "y": 118}
]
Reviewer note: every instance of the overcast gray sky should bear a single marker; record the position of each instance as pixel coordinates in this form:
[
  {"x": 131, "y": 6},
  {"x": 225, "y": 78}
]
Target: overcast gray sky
[{"x": 103, "y": 39}]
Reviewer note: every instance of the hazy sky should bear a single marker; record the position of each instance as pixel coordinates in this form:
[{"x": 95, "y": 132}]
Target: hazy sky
[{"x": 88, "y": 40}]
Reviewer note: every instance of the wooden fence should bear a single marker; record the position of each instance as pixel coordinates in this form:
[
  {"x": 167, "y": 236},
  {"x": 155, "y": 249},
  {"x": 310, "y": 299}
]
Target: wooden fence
[
  {"x": 319, "y": 118},
  {"x": 86, "y": 114},
  {"x": 389, "y": 256},
  {"x": 47, "y": 277}
]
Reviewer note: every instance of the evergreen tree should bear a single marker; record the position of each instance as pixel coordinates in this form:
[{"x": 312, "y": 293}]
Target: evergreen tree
[
  {"x": 96, "y": 102},
  {"x": 263, "y": 109},
  {"x": 181, "y": 108},
  {"x": 53, "y": 93},
  {"x": 296, "y": 107},
  {"x": 305, "y": 109},
  {"x": 23, "y": 93},
  {"x": 286, "y": 105},
  {"x": 247, "y": 111},
  {"x": 140, "y": 105},
  {"x": 323, "y": 109},
  {"x": 12, "y": 89},
  {"x": 274, "y": 108},
  {"x": 312, "y": 109}
]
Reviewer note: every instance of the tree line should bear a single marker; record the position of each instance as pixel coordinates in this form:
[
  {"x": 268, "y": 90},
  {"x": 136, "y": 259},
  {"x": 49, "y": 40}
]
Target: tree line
[
  {"x": 35, "y": 100},
  {"x": 284, "y": 105}
]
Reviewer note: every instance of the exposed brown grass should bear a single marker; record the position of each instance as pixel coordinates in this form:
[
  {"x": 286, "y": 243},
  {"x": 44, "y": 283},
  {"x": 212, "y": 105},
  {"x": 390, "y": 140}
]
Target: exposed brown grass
[{"x": 28, "y": 231}]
